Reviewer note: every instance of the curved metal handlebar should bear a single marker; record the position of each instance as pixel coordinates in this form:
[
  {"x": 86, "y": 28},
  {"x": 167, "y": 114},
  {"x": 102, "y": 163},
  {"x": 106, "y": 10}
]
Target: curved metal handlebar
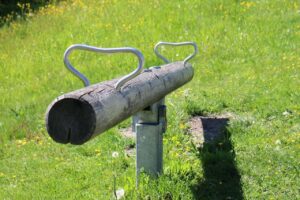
[
  {"x": 123, "y": 80},
  {"x": 176, "y": 44}
]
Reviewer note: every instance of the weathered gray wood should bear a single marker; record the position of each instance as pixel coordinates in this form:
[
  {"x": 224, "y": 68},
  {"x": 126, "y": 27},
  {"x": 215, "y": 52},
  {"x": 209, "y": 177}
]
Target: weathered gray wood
[{"x": 78, "y": 116}]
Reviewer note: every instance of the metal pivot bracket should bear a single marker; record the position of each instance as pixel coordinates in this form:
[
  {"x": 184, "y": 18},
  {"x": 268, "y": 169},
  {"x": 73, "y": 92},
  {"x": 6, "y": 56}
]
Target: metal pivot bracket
[{"x": 149, "y": 126}]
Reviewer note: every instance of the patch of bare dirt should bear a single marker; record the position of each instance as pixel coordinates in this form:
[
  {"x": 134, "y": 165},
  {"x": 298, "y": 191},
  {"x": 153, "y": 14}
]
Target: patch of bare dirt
[
  {"x": 208, "y": 128},
  {"x": 127, "y": 132},
  {"x": 202, "y": 129},
  {"x": 130, "y": 151}
]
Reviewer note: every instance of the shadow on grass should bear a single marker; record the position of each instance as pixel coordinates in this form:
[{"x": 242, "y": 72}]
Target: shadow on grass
[
  {"x": 221, "y": 176},
  {"x": 11, "y": 10}
]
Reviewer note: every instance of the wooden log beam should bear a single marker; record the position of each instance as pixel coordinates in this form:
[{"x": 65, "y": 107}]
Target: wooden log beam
[{"x": 78, "y": 116}]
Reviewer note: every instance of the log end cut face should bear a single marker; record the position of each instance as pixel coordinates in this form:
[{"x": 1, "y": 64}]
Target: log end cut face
[{"x": 71, "y": 121}]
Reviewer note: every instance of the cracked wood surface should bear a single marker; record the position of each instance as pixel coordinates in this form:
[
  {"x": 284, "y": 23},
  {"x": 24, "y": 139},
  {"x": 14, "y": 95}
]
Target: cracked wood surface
[{"x": 78, "y": 116}]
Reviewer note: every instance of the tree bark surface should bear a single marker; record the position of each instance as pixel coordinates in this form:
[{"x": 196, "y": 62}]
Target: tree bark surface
[{"x": 78, "y": 116}]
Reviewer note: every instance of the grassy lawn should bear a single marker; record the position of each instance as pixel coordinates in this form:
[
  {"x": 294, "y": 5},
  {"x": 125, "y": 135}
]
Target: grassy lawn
[{"x": 248, "y": 66}]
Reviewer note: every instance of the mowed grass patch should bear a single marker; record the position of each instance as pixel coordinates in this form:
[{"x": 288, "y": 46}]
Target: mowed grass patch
[{"x": 248, "y": 65}]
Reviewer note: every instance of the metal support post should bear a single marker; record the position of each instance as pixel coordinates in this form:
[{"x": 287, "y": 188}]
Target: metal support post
[{"x": 149, "y": 126}]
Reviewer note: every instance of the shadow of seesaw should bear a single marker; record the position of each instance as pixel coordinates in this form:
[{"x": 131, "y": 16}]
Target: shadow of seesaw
[{"x": 221, "y": 176}]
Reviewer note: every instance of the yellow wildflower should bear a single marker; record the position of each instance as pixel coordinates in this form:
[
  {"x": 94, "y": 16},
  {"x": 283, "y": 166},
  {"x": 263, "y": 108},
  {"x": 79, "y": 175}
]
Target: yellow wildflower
[
  {"x": 247, "y": 4},
  {"x": 21, "y": 142},
  {"x": 182, "y": 126},
  {"x": 97, "y": 151}
]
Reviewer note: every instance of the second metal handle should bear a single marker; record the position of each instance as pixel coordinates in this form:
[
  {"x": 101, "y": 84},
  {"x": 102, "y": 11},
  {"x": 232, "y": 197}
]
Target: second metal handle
[{"x": 176, "y": 44}]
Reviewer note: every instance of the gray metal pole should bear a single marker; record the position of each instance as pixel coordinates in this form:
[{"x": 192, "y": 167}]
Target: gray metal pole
[{"x": 149, "y": 128}]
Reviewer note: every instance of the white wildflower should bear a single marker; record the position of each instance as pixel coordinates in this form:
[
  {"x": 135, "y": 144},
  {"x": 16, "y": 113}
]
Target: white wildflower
[
  {"x": 287, "y": 113},
  {"x": 115, "y": 154},
  {"x": 120, "y": 193}
]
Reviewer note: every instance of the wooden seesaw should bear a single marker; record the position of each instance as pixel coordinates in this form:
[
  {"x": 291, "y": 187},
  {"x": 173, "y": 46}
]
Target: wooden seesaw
[{"x": 78, "y": 116}]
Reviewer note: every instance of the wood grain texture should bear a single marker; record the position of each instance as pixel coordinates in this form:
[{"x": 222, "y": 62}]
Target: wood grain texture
[{"x": 78, "y": 116}]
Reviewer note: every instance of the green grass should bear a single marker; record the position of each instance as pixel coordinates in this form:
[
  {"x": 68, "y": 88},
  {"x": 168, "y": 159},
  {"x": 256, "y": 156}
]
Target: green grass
[{"x": 248, "y": 65}]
